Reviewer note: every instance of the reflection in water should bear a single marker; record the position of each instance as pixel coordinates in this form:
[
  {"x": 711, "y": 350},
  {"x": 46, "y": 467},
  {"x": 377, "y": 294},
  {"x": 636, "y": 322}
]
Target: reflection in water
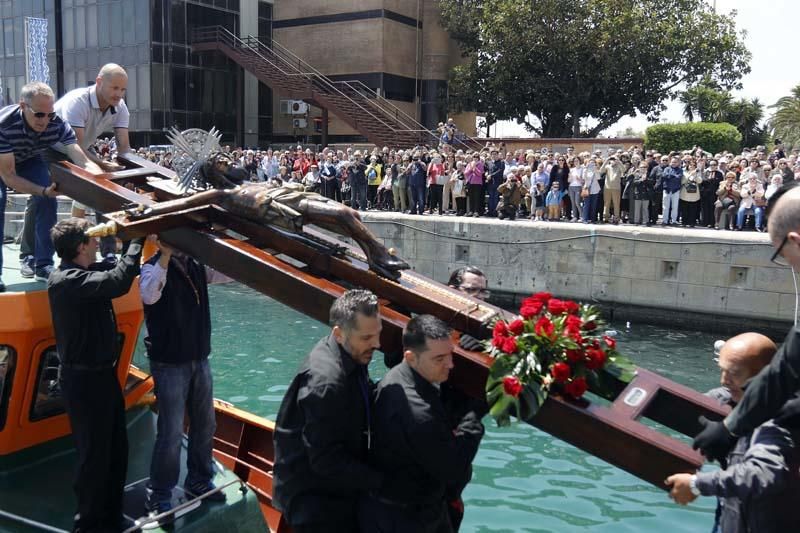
[{"x": 524, "y": 479}]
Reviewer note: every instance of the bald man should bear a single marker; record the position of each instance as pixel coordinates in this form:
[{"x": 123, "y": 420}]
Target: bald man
[
  {"x": 758, "y": 488},
  {"x": 773, "y": 393}
]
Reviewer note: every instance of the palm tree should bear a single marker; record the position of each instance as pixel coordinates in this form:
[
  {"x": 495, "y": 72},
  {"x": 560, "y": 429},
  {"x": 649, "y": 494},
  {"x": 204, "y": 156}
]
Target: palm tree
[
  {"x": 785, "y": 121},
  {"x": 746, "y": 115}
]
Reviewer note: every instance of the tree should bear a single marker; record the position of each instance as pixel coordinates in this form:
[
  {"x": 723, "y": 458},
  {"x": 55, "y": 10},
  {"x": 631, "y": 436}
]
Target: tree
[
  {"x": 710, "y": 103},
  {"x": 568, "y": 60},
  {"x": 785, "y": 121}
]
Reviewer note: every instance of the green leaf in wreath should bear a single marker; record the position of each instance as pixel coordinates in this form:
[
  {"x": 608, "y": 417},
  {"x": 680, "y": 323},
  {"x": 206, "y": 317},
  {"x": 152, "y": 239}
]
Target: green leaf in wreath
[
  {"x": 531, "y": 399},
  {"x": 502, "y": 366},
  {"x": 500, "y": 409},
  {"x": 620, "y": 367}
]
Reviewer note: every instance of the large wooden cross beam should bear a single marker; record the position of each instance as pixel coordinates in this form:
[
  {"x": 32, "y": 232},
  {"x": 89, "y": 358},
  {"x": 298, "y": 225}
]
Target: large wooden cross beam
[{"x": 307, "y": 274}]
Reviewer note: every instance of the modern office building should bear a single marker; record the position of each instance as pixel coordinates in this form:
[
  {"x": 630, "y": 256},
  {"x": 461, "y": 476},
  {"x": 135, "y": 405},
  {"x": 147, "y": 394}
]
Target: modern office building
[{"x": 394, "y": 47}]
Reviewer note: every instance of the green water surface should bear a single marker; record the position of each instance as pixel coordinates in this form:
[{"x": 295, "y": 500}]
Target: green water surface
[{"x": 524, "y": 479}]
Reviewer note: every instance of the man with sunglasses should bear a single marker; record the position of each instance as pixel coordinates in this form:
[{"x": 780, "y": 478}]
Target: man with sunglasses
[
  {"x": 775, "y": 391},
  {"x": 28, "y": 129},
  {"x": 89, "y": 111}
]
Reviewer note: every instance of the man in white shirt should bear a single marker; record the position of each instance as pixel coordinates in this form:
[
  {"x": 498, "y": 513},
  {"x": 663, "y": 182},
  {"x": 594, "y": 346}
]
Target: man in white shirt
[{"x": 90, "y": 111}]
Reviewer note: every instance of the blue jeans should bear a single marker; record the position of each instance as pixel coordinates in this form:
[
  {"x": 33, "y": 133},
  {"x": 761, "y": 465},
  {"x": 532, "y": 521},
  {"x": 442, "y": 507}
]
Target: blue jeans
[
  {"x": 590, "y": 207},
  {"x": 759, "y": 212},
  {"x": 35, "y": 170},
  {"x": 417, "y": 199},
  {"x": 359, "y": 196},
  {"x": 182, "y": 388},
  {"x": 494, "y": 196}
]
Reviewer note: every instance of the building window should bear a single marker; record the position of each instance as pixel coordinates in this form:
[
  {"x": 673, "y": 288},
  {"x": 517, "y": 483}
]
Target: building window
[{"x": 8, "y": 358}]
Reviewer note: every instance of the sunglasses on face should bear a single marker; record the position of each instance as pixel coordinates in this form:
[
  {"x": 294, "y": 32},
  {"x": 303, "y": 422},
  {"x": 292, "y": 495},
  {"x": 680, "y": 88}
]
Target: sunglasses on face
[{"x": 41, "y": 114}]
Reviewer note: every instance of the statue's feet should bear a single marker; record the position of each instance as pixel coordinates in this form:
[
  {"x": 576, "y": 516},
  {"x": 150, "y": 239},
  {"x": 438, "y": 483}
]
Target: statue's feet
[{"x": 387, "y": 264}]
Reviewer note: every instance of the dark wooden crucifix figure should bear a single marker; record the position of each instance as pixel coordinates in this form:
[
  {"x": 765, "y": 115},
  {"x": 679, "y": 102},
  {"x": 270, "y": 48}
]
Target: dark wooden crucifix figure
[{"x": 288, "y": 206}]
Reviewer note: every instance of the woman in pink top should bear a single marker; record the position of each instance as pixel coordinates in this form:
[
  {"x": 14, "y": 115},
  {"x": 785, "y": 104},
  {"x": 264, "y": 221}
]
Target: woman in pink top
[
  {"x": 436, "y": 181},
  {"x": 474, "y": 178}
]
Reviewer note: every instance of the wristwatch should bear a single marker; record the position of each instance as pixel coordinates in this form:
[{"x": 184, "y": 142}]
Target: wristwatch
[{"x": 693, "y": 485}]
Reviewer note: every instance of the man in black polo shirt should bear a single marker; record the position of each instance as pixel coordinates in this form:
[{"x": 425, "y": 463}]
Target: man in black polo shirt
[
  {"x": 27, "y": 129},
  {"x": 88, "y": 347}
]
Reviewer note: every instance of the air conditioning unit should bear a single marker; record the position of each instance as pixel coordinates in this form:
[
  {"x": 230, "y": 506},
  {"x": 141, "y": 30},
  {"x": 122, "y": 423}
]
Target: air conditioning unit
[
  {"x": 299, "y": 123},
  {"x": 293, "y": 107}
]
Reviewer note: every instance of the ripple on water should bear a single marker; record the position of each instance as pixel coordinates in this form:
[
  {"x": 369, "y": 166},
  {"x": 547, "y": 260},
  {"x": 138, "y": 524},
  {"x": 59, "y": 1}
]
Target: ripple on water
[
  {"x": 237, "y": 399},
  {"x": 270, "y": 398}
]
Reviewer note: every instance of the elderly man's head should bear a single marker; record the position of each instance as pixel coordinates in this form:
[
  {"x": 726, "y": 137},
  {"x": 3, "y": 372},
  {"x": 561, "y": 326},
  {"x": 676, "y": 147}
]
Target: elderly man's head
[
  {"x": 741, "y": 358},
  {"x": 784, "y": 224}
]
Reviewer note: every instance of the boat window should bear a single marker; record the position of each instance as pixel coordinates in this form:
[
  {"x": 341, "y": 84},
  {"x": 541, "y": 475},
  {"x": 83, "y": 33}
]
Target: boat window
[
  {"x": 7, "y": 359},
  {"x": 47, "y": 400}
]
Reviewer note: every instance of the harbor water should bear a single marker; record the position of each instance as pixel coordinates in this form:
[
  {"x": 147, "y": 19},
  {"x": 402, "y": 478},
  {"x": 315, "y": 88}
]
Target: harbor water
[{"x": 524, "y": 480}]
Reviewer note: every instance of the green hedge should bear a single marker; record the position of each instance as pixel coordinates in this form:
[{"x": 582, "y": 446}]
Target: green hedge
[{"x": 711, "y": 137}]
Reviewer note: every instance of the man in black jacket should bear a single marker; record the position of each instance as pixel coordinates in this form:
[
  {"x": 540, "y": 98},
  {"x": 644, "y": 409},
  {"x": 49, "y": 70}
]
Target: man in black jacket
[
  {"x": 88, "y": 347},
  {"x": 775, "y": 391},
  {"x": 424, "y": 454},
  {"x": 323, "y": 431},
  {"x": 496, "y": 176}
]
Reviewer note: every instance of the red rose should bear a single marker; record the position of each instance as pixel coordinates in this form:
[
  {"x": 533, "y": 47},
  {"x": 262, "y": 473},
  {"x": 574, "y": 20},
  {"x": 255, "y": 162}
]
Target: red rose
[
  {"x": 543, "y": 327},
  {"x": 541, "y": 297},
  {"x": 574, "y": 356},
  {"x": 610, "y": 341},
  {"x": 516, "y": 326},
  {"x": 595, "y": 358},
  {"x": 512, "y": 386},
  {"x": 589, "y": 326},
  {"x": 572, "y": 307},
  {"x": 530, "y": 309},
  {"x": 575, "y": 335},
  {"x": 509, "y": 345},
  {"x": 576, "y": 388},
  {"x": 500, "y": 329},
  {"x": 573, "y": 322},
  {"x": 556, "y": 306},
  {"x": 497, "y": 342},
  {"x": 561, "y": 372}
]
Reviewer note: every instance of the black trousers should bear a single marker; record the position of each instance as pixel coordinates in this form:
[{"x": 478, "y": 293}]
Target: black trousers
[
  {"x": 707, "y": 209},
  {"x": 435, "y": 196},
  {"x": 381, "y": 517},
  {"x": 346, "y": 526},
  {"x": 689, "y": 211},
  {"x": 475, "y": 194},
  {"x": 96, "y": 411}
]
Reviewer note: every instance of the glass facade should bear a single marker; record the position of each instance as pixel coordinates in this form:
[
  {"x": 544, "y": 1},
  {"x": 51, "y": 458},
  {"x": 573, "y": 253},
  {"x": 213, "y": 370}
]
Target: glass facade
[
  {"x": 193, "y": 90},
  {"x": 167, "y": 84}
]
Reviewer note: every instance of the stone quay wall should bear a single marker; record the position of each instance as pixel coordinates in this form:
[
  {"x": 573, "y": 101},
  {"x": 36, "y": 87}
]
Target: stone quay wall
[{"x": 695, "y": 278}]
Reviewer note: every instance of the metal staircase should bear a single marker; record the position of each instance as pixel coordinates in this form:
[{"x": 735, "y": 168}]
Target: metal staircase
[{"x": 373, "y": 116}]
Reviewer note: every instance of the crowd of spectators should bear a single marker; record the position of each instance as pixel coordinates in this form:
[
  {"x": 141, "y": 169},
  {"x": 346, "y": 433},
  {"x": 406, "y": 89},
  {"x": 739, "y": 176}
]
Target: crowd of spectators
[{"x": 689, "y": 188}]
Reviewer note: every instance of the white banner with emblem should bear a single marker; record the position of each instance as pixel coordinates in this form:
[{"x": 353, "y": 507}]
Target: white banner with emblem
[{"x": 36, "y": 68}]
